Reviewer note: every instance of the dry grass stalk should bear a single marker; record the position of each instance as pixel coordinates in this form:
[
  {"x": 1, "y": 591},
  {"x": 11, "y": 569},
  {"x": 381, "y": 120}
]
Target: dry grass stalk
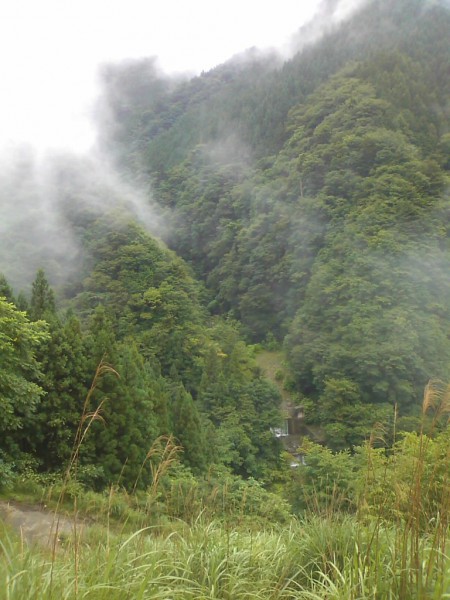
[{"x": 87, "y": 418}]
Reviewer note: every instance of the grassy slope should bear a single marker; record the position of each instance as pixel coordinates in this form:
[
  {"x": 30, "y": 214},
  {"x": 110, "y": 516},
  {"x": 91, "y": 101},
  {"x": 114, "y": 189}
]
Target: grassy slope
[{"x": 333, "y": 558}]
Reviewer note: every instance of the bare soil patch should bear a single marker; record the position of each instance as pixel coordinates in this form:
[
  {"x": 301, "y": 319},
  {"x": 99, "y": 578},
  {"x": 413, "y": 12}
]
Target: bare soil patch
[{"x": 37, "y": 525}]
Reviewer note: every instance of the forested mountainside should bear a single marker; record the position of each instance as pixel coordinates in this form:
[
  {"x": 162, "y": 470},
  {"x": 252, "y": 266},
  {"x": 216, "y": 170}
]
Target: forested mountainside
[
  {"x": 274, "y": 217},
  {"x": 311, "y": 198},
  {"x": 145, "y": 356},
  {"x": 303, "y": 203}
]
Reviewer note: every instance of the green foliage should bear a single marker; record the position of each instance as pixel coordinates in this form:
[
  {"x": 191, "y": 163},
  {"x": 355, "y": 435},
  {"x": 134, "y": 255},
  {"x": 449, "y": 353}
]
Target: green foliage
[
  {"x": 310, "y": 199},
  {"x": 42, "y": 303},
  {"x": 406, "y": 484},
  {"x": 335, "y": 240},
  {"x": 220, "y": 495},
  {"x": 19, "y": 394},
  {"x": 206, "y": 387},
  {"x": 5, "y": 289},
  {"x": 188, "y": 428},
  {"x": 317, "y": 557},
  {"x": 65, "y": 380},
  {"x": 378, "y": 528},
  {"x": 142, "y": 315}
]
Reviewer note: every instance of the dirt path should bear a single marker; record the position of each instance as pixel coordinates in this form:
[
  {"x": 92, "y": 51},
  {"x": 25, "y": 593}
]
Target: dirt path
[{"x": 37, "y": 525}]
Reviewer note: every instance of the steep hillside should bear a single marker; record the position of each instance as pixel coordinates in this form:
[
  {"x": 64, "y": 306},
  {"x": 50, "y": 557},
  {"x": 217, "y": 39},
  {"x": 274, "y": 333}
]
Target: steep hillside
[{"x": 311, "y": 199}]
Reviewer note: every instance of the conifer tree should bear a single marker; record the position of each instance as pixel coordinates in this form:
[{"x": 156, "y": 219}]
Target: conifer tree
[
  {"x": 42, "y": 302},
  {"x": 5, "y": 289},
  {"x": 130, "y": 422},
  {"x": 188, "y": 429},
  {"x": 65, "y": 379}
]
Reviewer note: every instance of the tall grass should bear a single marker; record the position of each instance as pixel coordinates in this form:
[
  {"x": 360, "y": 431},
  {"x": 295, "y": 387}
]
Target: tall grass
[
  {"x": 394, "y": 546},
  {"x": 308, "y": 559}
]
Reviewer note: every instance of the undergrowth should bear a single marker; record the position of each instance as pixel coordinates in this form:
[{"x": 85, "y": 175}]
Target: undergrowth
[{"x": 374, "y": 526}]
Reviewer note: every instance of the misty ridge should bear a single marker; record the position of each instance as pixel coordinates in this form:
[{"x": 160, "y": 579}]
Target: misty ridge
[
  {"x": 46, "y": 199},
  {"x": 46, "y": 204},
  {"x": 231, "y": 119},
  {"x": 298, "y": 204},
  {"x": 254, "y": 264}
]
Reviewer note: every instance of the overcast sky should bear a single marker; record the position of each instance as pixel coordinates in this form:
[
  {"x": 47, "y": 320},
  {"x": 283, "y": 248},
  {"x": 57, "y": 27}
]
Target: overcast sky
[{"x": 50, "y": 50}]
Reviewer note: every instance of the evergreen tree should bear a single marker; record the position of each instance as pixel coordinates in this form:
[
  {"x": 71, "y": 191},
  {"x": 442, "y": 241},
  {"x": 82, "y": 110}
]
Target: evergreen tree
[
  {"x": 130, "y": 422},
  {"x": 5, "y": 290},
  {"x": 66, "y": 379},
  {"x": 42, "y": 303},
  {"x": 188, "y": 429}
]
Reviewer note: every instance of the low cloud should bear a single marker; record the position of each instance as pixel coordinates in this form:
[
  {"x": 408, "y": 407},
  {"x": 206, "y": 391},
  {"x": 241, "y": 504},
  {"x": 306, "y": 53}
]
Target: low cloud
[
  {"x": 329, "y": 14},
  {"x": 45, "y": 205}
]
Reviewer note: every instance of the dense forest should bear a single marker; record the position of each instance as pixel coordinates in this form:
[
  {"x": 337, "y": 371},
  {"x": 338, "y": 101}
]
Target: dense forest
[
  {"x": 311, "y": 199},
  {"x": 293, "y": 210},
  {"x": 300, "y": 203}
]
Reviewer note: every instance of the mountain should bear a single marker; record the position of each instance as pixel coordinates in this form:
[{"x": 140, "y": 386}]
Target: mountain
[{"x": 310, "y": 196}]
